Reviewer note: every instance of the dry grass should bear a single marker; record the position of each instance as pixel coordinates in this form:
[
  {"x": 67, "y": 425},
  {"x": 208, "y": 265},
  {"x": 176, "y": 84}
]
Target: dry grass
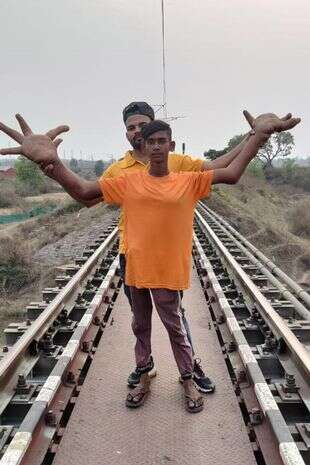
[
  {"x": 8, "y": 196},
  {"x": 275, "y": 220},
  {"x": 299, "y": 219},
  {"x": 16, "y": 269},
  {"x": 21, "y": 241}
]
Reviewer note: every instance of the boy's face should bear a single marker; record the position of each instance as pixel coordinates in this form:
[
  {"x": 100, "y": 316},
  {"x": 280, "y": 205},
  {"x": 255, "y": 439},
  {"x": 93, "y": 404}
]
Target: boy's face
[
  {"x": 158, "y": 145},
  {"x": 133, "y": 127}
]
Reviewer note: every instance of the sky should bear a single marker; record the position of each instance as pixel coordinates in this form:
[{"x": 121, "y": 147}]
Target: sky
[{"x": 80, "y": 62}]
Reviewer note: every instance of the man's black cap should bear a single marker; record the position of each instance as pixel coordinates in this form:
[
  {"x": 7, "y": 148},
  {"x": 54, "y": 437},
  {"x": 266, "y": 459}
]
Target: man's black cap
[{"x": 138, "y": 108}]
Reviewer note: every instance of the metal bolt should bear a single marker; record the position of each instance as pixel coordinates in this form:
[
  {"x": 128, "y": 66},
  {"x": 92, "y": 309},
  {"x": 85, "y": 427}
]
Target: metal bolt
[
  {"x": 241, "y": 376},
  {"x": 290, "y": 385},
  {"x": 256, "y": 416},
  {"x": 48, "y": 343},
  {"x": 50, "y": 418},
  {"x": 290, "y": 380},
  {"x": 270, "y": 341},
  {"x": 96, "y": 321},
  {"x": 21, "y": 382},
  {"x": 70, "y": 377},
  {"x": 22, "y": 386},
  {"x": 85, "y": 346},
  {"x": 231, "y": 346}
]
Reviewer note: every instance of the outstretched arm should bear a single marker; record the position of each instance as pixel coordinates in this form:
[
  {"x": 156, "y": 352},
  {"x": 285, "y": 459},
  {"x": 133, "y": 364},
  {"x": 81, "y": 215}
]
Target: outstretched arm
[
  {"x": 263, "y": 126},
  {"x": 225, "y": 160},
  {"x": 42, "y": 150}
]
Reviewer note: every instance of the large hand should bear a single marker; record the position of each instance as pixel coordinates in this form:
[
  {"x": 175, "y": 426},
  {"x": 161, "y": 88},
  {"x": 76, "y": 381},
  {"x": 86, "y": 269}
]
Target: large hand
[
  {"x": 268, "y": 123},
  {"x": 41, "y": 149}
]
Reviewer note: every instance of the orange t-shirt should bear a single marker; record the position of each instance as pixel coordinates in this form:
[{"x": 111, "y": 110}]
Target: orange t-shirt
[
  {"x": 158, "y": 214},
  {"x": 128, "y": 164}
]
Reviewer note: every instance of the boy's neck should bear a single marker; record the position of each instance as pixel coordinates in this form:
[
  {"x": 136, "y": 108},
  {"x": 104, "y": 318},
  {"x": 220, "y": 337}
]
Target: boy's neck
[{"x": 159, "y": 169}]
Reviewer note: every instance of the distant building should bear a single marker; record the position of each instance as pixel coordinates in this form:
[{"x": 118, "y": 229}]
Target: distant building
[{"x": 9, "y": 173}]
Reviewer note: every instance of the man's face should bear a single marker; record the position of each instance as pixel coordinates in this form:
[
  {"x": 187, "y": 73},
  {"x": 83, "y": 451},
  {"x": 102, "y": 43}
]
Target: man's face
[
  {"x": 158, "y": 145},
  {"x": 133, "y": 129}
]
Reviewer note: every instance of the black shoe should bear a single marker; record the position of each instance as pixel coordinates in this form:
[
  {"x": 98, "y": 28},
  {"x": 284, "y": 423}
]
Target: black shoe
[
  {"x": 134, "y": 377},
  {"x": 201, "y": 381}
]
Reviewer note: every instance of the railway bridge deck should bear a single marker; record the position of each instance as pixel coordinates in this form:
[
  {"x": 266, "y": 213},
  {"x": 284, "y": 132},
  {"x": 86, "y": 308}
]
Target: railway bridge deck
[{"x": 103, "y": 431}]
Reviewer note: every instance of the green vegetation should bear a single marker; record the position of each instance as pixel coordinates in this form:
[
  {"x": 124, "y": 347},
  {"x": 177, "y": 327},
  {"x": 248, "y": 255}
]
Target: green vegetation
[
  {"x": 299, "y": 218},
  {"x": 278, "y": 148},
  {"x": 274, "y": 216},
  {"x": 28, "y": 174},
  {"x": 74, "y": 165},
  {"x": 33, "y": 212},
  {"x": 16, "y": 268},
  {"x": 8, "y": 196},
  {"x": 279, "y": 145},
  {"x": 255, "y": 168},
  {"x": 99, "y": 167},
  {"x": 212, "y": 154},
  {"x": 70, "y": 206}
]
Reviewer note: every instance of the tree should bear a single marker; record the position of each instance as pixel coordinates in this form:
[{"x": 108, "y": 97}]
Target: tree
[
  {"x": 289, "y": 167},
  {"x": 279, "y": 145},
  {"x": 234, "y": 141},
  {"x": 74, "y": 166},
  {"x": 212, "y": 154},
  {"x": 255, "y": 168},
  {"x": 28, "y": 173},
  {"x": 99, "y": 167}
]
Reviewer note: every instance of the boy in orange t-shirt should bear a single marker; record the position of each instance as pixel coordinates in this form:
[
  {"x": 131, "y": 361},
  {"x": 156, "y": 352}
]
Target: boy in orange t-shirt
[{"x": 158, "y": 210}]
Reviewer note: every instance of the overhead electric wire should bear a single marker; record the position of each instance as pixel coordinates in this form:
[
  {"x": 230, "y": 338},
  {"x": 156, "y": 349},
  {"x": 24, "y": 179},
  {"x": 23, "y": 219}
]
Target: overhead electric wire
[{"x": 164, "y": 59}]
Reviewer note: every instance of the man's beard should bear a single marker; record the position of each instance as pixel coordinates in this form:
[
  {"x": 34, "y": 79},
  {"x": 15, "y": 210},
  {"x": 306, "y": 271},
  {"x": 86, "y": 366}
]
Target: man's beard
[{"x": 136, "y": 145}]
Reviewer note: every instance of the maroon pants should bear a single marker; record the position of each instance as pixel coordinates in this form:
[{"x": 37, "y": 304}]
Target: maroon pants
[{"x": 167, "y": 303}]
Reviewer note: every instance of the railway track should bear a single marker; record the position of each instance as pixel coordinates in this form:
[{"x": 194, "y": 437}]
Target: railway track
[
  {"x": 261, "y": 317},
  {"x": 46, "y": 358},
  {"x": 263, "y": 323}
]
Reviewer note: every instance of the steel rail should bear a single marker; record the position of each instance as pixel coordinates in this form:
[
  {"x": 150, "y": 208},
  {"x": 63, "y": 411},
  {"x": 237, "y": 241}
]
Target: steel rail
[
  {"x": 299, "y": 307},
  {"x": 298, "y": 290},
  {"x": 287, "y": 447},
  {"x": 277, "y": 324},
  {"x": 51, "y": 311},
  {"x": 17, "y": 449}
]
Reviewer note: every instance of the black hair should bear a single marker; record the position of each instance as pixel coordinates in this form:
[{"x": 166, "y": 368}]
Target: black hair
[
  {"x": 154, "y": 126},
  {"x": 138, "y": 108}
]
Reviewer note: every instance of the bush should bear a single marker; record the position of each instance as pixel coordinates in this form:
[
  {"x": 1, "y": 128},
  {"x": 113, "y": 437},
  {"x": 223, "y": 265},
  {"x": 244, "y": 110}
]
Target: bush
[
  {"x": 69, "y": 207},
  {"x": 298, "y": 176},
  {"x": 299, "y": 218},
  {"x": 28, "y": 174},
  {"x": 255, "y": 168},
  {"x": 16, "y": 269},
  {"x": 8, "y": 196}
]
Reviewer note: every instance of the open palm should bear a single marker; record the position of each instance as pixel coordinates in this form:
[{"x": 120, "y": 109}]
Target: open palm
[
  {"x": 39, "y": 148},
  {"x": 268, "y": 123}
]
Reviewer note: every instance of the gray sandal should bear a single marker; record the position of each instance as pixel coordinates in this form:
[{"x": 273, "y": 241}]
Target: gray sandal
[
  {"x": 136, "y": 392},
  {"x": 194, "y": 406}
]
